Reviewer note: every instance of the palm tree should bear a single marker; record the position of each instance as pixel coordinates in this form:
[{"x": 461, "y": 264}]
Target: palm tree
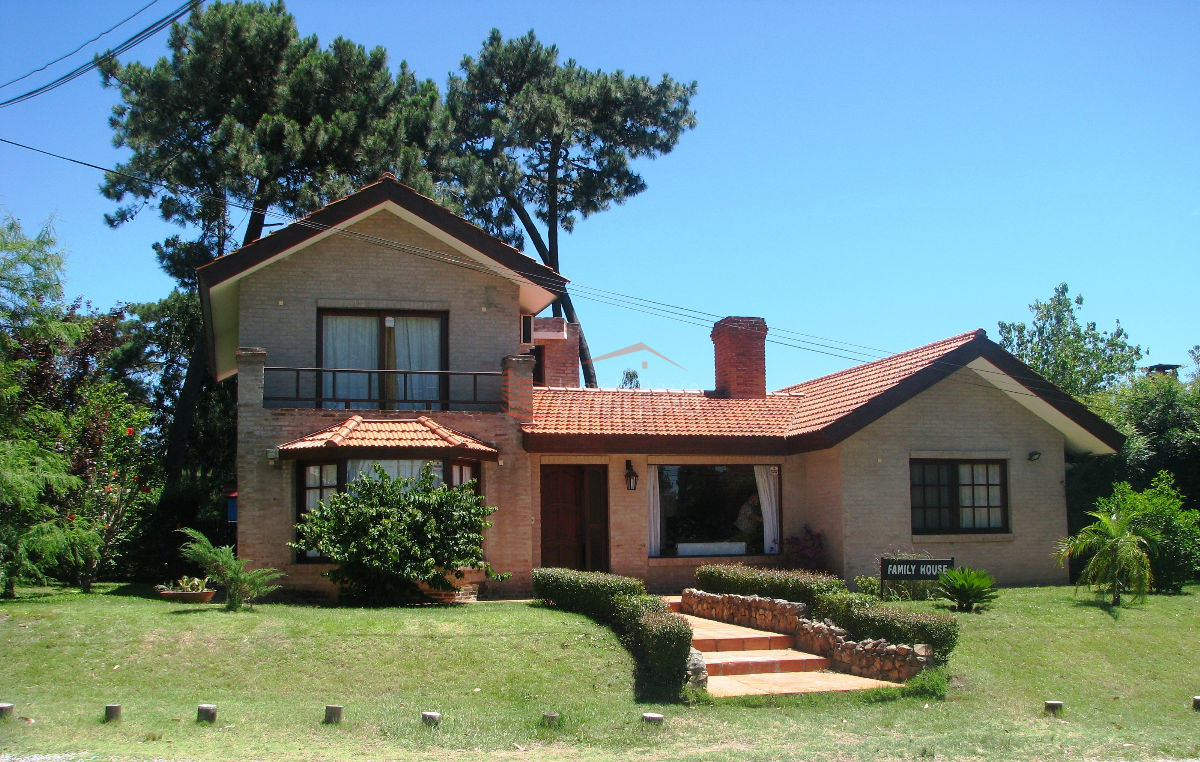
[{"x": 1118, "y": 554}]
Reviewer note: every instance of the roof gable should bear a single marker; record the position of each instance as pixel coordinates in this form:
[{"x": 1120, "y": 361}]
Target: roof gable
[{"x": 219, "y": 280}]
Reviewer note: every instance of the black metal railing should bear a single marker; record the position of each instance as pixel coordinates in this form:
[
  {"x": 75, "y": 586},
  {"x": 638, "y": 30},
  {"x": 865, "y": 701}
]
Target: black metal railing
[{"x": 358, "y": 389}]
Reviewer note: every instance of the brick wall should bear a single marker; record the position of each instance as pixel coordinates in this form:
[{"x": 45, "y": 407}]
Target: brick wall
[
  {"x": 962, "y": 416},
  {"x": 739, "y": 351},
  {"x": 560, "y": 356}
]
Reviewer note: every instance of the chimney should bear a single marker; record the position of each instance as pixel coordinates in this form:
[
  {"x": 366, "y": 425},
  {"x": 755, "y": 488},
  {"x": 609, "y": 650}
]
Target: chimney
[
  {"x": 740, "y": 350},
  {"x": 557, "y": 349},
  {"x": 517, "y": 387}
]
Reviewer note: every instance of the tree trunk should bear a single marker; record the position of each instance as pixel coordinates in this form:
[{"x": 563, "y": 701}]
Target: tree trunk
[
  {"x": 585, "y": 353},
  {"x": 10, "y": 587},
  {"x": 178, "y": 433},
  {"x": 258, "y": 216}
]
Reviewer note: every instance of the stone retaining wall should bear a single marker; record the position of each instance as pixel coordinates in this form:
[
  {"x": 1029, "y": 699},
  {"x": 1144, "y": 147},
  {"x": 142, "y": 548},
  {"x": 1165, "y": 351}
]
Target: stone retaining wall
[{"x": 867, "y": 658}]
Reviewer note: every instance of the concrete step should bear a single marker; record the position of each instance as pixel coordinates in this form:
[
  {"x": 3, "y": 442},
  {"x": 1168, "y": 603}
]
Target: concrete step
[
  {"x": 708, "y": 635},
  {"x": 790, "y": 683},
  {"x": 723, "y": 663}
]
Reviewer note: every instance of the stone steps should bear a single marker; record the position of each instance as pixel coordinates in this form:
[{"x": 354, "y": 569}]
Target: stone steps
[{"x": 724, "y": 663}]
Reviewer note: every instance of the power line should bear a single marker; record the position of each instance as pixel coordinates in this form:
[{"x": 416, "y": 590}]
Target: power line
[
  {"x": 603, "y": 296},
  {"x": 92, "y": 65},
  {"x": 82, "y": 45}
]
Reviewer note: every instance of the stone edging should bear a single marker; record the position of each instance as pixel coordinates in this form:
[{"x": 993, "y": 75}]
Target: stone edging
[{"x": 867, "y": 658}]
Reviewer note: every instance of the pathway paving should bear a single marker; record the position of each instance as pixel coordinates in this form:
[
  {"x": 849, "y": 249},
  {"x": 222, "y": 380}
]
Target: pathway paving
[{"x": 743, "y": 661}]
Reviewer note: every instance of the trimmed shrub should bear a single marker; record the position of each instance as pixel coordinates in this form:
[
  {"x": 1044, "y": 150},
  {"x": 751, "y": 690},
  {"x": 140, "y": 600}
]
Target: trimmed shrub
[
  {"x": 969, "y": 589},
  {"x": 864, "y": 617},
  {"x": 658, "y": 640},
  {"x": 588, "y": 593},
  {"x": 788, "y": 584}
]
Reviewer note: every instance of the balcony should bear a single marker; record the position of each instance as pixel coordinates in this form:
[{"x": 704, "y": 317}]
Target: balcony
[{"x": 357, "y": 389}]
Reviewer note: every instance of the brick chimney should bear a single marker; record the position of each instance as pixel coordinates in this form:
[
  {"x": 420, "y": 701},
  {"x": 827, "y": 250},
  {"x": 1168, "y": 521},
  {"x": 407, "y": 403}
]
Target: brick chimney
[
  {"x": 556, "y": 345},
  {"x": 740, "y": 350}
]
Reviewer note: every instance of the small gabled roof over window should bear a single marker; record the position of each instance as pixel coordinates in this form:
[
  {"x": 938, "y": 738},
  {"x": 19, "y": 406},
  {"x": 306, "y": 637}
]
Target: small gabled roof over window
[
  {"x": 421, "y": 437},
  {"x": 219, "y": 280}
]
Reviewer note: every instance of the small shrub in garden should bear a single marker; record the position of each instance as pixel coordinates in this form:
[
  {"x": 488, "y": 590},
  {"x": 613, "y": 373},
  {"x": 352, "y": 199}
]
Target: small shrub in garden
[
  {"x": 802, "y": 551},
  {"x": 386, "y": 535},
  {"x": 788, "y": 584},
  {"x": 1158, "y": 511},
  {"x": 969, "y": 589},
  {"x": 242, "y": 586},
  {"x": 664, "y": 643},
  {"x": 929, "y": 683},
  {"x": 867, "y": 585},
  {"x": 588, "y": 593}
]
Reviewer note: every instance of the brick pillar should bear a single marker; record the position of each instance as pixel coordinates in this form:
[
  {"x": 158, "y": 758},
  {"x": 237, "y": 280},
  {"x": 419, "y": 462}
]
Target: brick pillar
[
  {"x": 250, "y": 364},
  {"x": 740, "y": 351},
  {"x": 559, "y": 341},
  {"x": 517, "y": 395}
]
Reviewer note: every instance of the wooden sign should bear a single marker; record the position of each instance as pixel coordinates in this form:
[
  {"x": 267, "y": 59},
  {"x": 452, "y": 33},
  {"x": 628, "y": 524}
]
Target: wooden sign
[{"x": 913, "y": 568}]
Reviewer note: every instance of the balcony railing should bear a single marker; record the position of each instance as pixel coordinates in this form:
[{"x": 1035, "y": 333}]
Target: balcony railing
[{"x": 357, "y": 389}]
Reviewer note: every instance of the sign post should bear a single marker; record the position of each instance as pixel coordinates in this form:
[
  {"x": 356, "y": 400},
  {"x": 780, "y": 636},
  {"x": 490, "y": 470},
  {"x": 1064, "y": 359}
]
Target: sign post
[{"x": 911, "y": 569}]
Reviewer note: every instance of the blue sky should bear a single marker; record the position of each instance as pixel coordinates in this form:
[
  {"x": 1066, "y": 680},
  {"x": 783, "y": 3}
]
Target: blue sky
[{"x": 882, "y": 174}]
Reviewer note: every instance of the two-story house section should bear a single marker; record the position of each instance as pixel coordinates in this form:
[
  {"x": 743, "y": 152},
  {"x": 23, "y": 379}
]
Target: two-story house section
[{"x": 384, "y": 329}]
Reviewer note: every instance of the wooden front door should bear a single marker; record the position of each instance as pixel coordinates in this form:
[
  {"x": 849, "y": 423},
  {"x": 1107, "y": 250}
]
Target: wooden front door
[{"x": 575, "y": 517}]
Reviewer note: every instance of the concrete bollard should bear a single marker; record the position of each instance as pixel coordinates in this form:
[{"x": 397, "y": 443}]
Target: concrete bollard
[
  {"x": 551, "y": 719},
  {"x": 652, "y": 718},
  {"x": 206, "y": 713},
  {"x": 1054, "y": 707},
  {"x": 431, "y": 718},
  {"x": 112, "y": 712},
  {"x": 6, "y": 711},
  {"x": 333, "y": 714}
]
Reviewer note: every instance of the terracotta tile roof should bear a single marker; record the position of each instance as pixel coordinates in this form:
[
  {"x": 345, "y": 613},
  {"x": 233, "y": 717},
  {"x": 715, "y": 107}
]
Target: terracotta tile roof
[
  {"x": 814, "y": 414},
  {"x": 421, "y": 433},
  {"x": 830, "y": 398}
]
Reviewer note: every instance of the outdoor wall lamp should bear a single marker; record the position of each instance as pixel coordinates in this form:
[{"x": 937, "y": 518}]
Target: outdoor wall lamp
[
  {"x": 631, "y": 476},
  {"x": 1035, "y": 455}
]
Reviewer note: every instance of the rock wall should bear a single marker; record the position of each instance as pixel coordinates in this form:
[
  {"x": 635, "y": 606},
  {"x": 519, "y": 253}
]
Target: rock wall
[{"x": 867, "y": 658}]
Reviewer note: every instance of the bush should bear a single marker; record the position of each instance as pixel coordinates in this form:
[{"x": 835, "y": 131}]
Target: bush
[
  {"x": 969, "y": 589},
  {"x": 242, "y": 586},
  {"x": 1158, "y": 512},
  {"x": 929, "y": 683},
  {"x": 867, "y": 585},
  {"x": 864, "y": 617},
  {"x": 386, "y": 535},
  {"x": 589, "y": 593},
  {"x": 658, "y": 640},
  {"x": 788, "y": 584}
]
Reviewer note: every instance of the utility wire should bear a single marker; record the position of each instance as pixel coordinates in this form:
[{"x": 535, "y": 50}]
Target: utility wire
[
  {"x": 112, "y": 53},
  {"x": 664, "y": 310},
  {"x": 82, "y": 45}
]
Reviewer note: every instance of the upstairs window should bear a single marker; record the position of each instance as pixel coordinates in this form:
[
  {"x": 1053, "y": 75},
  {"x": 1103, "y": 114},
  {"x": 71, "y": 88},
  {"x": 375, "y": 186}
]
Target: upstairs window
[
  {"x": 358, "y": 342},
  {"x": 951, "y": 496}
]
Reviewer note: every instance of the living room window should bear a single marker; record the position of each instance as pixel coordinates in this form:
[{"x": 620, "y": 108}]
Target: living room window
[
  {"x": 966, "y": 496},
  {"x": 358, "y": 340},
  {"x": 713, "y": 510}
]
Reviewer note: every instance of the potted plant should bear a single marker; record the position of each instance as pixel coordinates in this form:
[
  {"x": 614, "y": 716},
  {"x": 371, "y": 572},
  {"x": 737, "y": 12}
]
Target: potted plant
[{"x": 187, "y": 590}]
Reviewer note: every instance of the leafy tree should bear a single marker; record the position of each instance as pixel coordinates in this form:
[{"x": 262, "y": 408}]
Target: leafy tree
[
  {"x": 245, "y": 113},
  {"x": 1158, "y": 511},
  {"x": 535, "y": 140},
  {"x": 386, "y": 534},
  {"x": 630, "y": 380},
  {"x": 1080, "y": 359},
  {"x": 1117, "y": 553}
]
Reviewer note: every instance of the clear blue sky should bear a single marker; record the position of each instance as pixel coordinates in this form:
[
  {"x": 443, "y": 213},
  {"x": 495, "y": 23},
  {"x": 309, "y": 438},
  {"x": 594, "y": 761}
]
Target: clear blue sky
[{"x": 885, "y": 174}]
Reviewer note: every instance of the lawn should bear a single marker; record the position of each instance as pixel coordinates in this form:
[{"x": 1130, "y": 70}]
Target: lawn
[{"x": 1126, "y": 678}]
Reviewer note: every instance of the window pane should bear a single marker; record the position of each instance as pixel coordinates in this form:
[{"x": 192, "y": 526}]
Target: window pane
[
  {"x": 312, "y": 476},
  {"x": 915, "y": 473},
  {"x": 944, "y": 497},
  {"x": 918, "y": 518},
  {"x": 981, "y": 496},
  {"x": 994, "y": 496},
  {"x": 311, "y": 496},
  {"x": 980, "y": 475},
  {"x": 964, "y": 473},
  {"x": 712, "y": 510},
  {"x": 993, "y": 473},
  {"x": 931, "y": 473},
  {"x": 965, "y": 518},
  {"x": 931, "y": 496},
  {"x": 981, "y": 518},
  {"x": 997, "y": 518},
  {"x": 329, "y": 475},
  {"x": 352, "y": 342},
  {"x": 918, "y": 497},
  {"x": 964, "y": 496}
]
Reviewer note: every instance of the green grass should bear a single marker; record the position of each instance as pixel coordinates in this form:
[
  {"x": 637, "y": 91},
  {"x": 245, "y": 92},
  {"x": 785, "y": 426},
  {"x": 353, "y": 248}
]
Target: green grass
[{"x": 1125, "y": 676}]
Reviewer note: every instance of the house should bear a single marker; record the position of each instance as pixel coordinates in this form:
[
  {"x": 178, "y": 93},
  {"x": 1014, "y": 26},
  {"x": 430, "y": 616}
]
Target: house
[{"x": 384, "y": 329}]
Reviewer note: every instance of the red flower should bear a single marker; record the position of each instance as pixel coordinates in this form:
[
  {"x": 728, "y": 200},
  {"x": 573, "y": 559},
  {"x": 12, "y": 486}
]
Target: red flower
[
  {"x": 128, "y": 431},
  {"x": 108, "y": 488}
]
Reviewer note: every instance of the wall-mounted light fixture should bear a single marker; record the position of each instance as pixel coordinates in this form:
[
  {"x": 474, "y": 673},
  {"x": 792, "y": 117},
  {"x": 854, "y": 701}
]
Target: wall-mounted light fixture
[
  {"x": 1035, "y": 455},
  {"x": 631, "y": 476},
  {"x": 272, "y": 456}
]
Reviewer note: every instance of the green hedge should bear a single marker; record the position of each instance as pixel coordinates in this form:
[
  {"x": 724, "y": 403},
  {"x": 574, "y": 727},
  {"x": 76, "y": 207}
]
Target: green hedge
[
  {"x": 659, "y": 641},
  {"x": 788, "y": 584},
  {"x": 827, "y": 597},
  {"x": 588, "y": 593}
]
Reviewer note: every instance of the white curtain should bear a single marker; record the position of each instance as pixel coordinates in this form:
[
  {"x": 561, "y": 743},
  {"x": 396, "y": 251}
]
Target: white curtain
[
  {"x": 407, "y": 469},
  {"x": 767, "y": 478},
  {"x": 349, "y": 341},
  {"x": 417, "y": 343},
  {"x": 655, "y": 504}
]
